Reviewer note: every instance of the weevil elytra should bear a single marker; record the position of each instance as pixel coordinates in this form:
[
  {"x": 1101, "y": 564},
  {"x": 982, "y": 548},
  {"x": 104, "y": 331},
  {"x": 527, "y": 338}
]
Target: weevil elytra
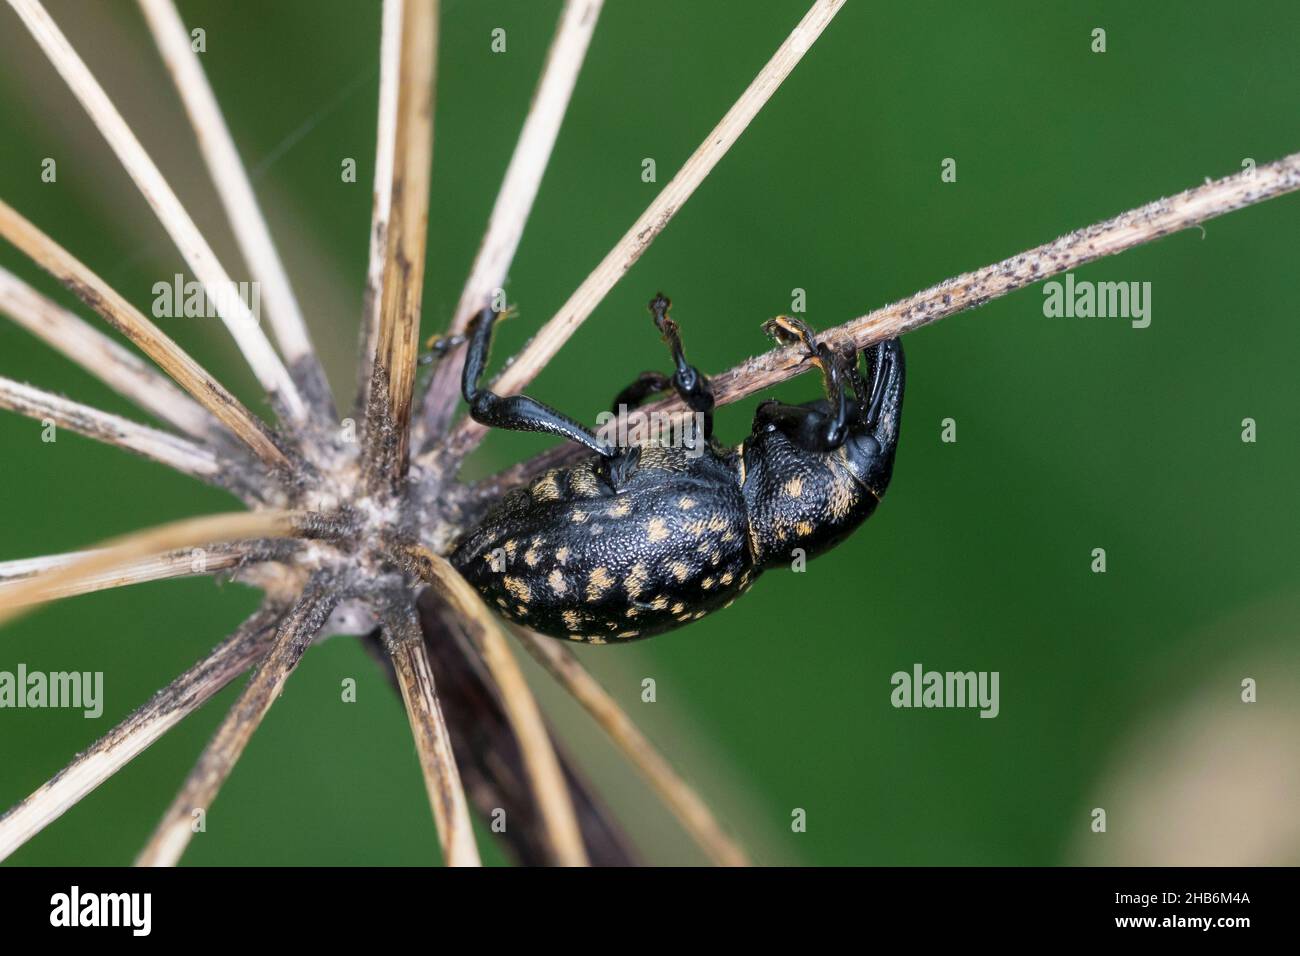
[{"x": 634, "y": 541}]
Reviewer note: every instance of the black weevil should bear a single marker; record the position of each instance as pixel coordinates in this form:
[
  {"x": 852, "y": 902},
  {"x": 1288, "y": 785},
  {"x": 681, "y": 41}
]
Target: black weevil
[{"x": 635, "y": 541}]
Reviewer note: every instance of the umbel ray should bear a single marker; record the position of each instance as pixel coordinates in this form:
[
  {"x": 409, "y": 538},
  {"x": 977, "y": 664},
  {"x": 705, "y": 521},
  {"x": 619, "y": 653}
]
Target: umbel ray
[{"x": 371, "y": 536}]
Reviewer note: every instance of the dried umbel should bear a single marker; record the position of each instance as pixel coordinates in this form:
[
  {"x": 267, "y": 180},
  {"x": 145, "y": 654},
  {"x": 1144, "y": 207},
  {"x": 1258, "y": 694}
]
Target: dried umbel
[{"x": 351, "y": 535}]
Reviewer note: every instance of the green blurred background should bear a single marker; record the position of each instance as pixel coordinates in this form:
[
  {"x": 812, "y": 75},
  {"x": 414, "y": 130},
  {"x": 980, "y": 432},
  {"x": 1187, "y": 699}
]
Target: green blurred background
[{"x": 1118, "y": 690}]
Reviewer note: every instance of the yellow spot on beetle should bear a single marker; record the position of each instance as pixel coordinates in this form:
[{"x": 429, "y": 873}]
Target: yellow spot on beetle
[
  {"x": 598, "y": 583},
  {"x": 518, "y": 589},
  {"x": 794, "y": 487},
  {"x": 562, "y": 555},
  {"x": 545, "y": 489},
  {"x": 842, "y": 497},
  {"x": 583, "y": 483},
  {"x": 636, "y": 579},
  {"x": 556, "y": 581},
  {"x": 686, "y": 504},
  {"x": 679, "y": 570},
  {"x": 656, "y": 529}
]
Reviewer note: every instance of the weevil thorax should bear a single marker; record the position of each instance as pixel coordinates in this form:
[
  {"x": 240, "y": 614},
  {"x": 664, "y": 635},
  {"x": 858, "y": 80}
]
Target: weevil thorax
[{"x": 800, "y": 503}]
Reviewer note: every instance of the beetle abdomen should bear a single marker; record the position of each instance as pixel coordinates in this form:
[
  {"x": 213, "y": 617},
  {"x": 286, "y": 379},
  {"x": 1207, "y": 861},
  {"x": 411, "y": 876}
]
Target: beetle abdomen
[{"x": 571, "y": 557}]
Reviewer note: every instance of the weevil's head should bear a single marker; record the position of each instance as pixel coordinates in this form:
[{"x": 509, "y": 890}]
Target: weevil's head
[
  {"x": 873, "y": 434},
  {"x": 802, "y": 503}
]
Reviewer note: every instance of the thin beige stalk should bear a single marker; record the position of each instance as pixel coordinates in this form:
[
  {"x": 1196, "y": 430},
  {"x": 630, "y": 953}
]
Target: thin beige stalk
[
  {"x": 1144, "y": 224},
  {"x": 514, "y": 202},
  {"x": 390, "y": 63},
  {"x": 114, "y": 555},
  {"x": 151, "y": 340},
  {"x": 163, "y": 447},
  {"x": 294, "y": 634},
  {"x": 175, "y": 564},
  {"x": 99, "y": 355},
  {"x": 658, "y": 214},
  {"x": 132, "y": 736},
  {"x": 388, "y": 415},
  {"x": 235, "y": 313},
  {"x": 691, "y": 811},
  {"x": 233, "y": 186},
  {"x": 405, "y": 643},
  {"x": 544, "y": 773}
]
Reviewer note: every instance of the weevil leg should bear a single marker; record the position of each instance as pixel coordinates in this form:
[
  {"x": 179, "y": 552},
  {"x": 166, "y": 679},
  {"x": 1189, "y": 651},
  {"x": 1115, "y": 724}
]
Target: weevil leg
[
  {"x": 691, "y": 385},
  {"x": 810, "y": 427},
  {"x": 514, "y": 412},
  {"x": 853, "y": 375},
  {"x": 647, "y": 384},
  {"x": 439, "y": 346}
]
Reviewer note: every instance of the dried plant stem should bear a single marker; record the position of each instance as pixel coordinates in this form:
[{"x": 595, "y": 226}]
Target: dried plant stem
[
  {"x": 487, "y": 749},
  {"x": 132, "y": 736},
  {"x": 99, "y": 355},
  {"x": 248, "y": 335},
  {"x": 514, "y": 202},
  {"x": 163, "y": 447},
  {"x": 656, "y": 217},
  {"x": 390, "y": 63},
  {"x": 414, "y": 671},
  {"x": 388, "y": 415},
  {"x": 1111, "y": 237},
  {"x": 691, "y": 811},
  {"x": 1144, "y": 224},
  {"x": 545, "y": 775},
  {"x": 236, "y": 192},
  {"x": 175, "y": 564},
  {"x": 123, "y": 552},
  {"x": 295, "y": 632},
  {"x": 125, "y": 318}
]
